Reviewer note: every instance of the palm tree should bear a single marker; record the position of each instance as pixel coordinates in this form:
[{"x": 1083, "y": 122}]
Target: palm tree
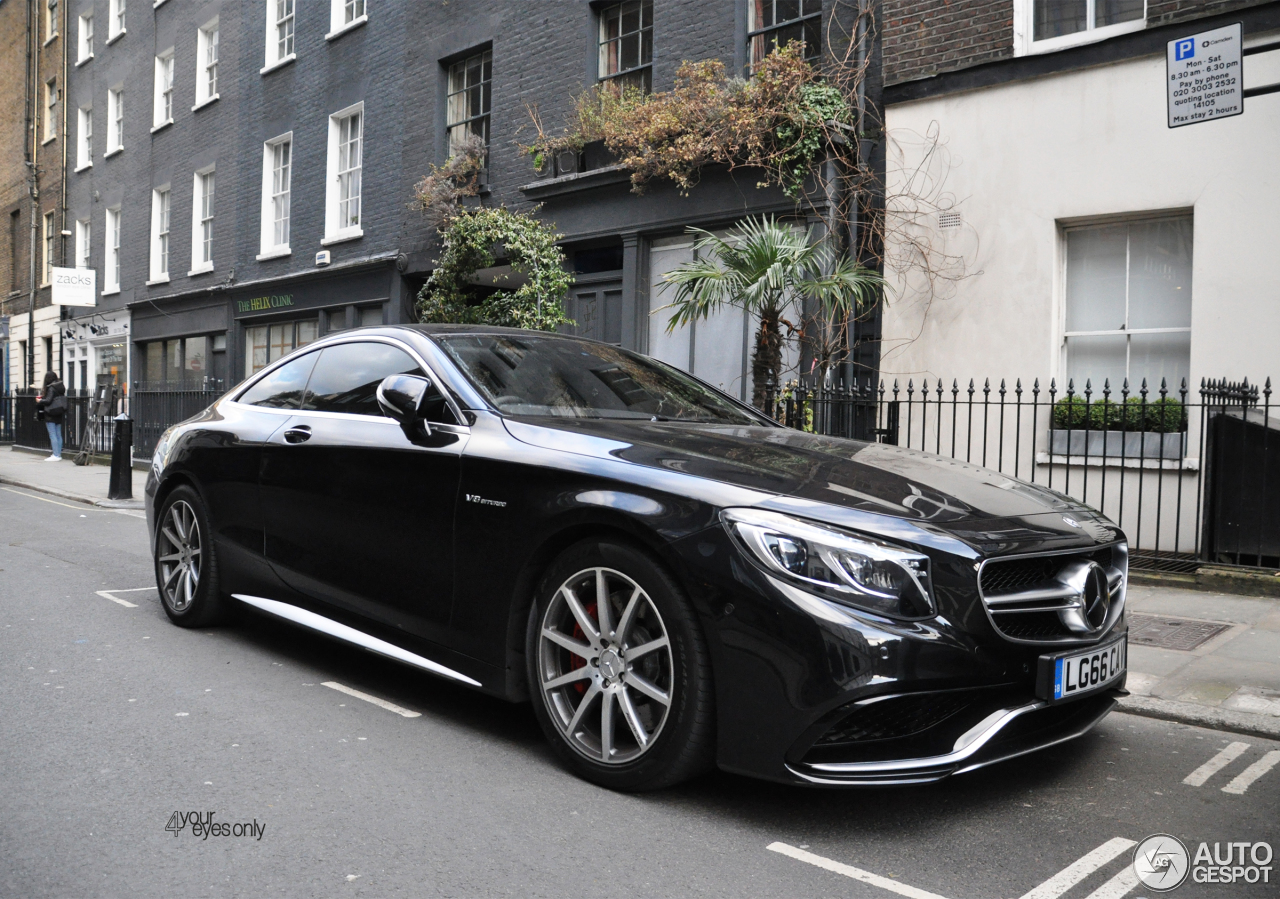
[{"x": 766, "y": 268}]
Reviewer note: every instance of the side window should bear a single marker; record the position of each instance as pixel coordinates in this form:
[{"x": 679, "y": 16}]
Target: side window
[
  {"x": 282, "y": 389},
  {"x": 347, "y": 377}
]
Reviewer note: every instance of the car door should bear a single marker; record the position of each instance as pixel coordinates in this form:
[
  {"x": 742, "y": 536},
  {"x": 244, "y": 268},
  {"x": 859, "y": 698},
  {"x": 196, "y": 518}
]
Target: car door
[{"x": 356, "y": 514}]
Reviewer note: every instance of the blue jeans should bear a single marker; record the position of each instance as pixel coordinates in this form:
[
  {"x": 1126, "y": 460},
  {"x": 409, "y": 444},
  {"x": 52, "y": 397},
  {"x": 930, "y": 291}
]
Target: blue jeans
[{"x": 55, "y": 436}]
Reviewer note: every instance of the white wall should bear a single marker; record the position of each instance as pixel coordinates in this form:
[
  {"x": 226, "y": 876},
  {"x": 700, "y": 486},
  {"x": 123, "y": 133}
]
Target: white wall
[{"x": 1019, "y": 159}]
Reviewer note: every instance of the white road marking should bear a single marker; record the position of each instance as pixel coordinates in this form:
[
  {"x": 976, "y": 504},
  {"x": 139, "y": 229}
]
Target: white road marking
[
  {"x": 43, "y": 499},
  {"x": 1078, "y": 870},
  {"x": 381, "y": 703},
  {"x": 124, "y": 602},
  {"x": 1118, "y": 886},
  {"x": 835, "y": 867},
  {"x": 1197, "y": 777},
  {"x": 1246, "y": 777}
]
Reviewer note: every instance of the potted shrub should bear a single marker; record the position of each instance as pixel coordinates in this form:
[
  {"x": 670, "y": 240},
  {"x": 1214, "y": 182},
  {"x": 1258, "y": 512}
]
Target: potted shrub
[{"x": 1136, "y": 428}]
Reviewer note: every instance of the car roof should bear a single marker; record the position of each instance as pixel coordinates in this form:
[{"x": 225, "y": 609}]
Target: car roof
[{"x": 480, "y": 329}]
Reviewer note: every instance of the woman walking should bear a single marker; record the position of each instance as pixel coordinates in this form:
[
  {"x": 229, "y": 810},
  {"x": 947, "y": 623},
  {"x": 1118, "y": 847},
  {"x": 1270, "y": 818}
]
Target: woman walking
[{"x": 53, "y": 401}]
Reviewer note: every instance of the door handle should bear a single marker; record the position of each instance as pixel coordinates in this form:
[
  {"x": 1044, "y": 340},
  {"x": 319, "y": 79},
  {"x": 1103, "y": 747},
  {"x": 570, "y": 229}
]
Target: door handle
[{"x": 298, "y": 434}]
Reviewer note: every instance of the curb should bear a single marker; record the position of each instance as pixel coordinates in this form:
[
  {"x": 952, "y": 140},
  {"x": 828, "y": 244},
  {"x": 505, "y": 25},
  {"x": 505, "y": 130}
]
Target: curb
[
  {"x": 1202, "y": 716},
  {"x": 75, "y": 497},
  {"x": 1262, "y": 583}
]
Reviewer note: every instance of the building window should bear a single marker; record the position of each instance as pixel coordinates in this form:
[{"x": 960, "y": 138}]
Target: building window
[
  {"x": 470, "y": 96},
  {"x": 1128, "y": 303},
  {"x": 265, "y": 344},
  {"x": 50, "y": 19},
  {"x": 84, "y": 50},
  {"x": 277, "y": 156},
  {"x": 163, "y": 113},
  {"x": 344, "y": 14},
  {"x": 346, "y": 150},
  {"x": 83, "y": 239},
  {"x": 626, "y": 44},
  {"x": 160, "y": 234},
  {"x": 1045, "y": 25},
  {"x": 111, "y": 277},
  {"x": 279, "y": 31},
  {"x": 51, "y": 109},
  {"x": 50, "y": 249},
  {"x": 181, "y": 362},
  {"x": 115, "y": 121},
  {"x": 207, "y": 64},
  {"x": 776, "y": 23},
  {"x": 14, "y": 231},
  {"x": 115, "y": 27},
  {"x": 202, "y": 223},
  {"x": 84, "y": 150}
]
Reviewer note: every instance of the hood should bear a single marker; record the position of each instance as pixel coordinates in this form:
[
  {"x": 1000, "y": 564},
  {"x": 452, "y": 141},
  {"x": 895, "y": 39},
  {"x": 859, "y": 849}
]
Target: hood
[{"x": 870, "y": 477}]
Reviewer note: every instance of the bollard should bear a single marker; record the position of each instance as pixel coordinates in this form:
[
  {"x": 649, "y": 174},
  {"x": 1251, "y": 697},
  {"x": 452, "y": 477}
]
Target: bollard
[{"x": 121, "y": 485}]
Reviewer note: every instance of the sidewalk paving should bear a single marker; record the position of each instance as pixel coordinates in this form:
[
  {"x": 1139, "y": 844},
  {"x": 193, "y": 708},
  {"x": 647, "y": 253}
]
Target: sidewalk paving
[
  {"x": 86, "y": 484},
  {"x": 1230, "y": 682}
]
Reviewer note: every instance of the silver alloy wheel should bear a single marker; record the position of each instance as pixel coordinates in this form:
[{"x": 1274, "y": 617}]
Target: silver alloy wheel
[
  {"x": 604, "y": 654},
  {"x": 178, "y": 551}
]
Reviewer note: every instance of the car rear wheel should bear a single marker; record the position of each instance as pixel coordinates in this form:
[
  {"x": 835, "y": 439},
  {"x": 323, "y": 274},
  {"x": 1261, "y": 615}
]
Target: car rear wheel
[
  {"x": 618, "y": 669},
  {"x": 186, "y": 567}
]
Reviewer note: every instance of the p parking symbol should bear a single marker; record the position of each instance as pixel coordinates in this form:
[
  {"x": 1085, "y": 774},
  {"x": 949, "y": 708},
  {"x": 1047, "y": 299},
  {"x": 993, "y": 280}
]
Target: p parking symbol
[{"x": 1184, "y": 49}]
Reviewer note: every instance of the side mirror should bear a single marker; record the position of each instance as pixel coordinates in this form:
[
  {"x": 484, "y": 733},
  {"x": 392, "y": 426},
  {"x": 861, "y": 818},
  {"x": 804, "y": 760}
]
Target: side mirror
[{"x": 402, "y": 397}]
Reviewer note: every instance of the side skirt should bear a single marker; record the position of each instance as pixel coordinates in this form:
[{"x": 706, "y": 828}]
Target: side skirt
[{"x": 350, "y": 635}]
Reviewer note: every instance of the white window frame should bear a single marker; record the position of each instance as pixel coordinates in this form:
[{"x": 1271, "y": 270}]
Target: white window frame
[
  {"x": 48, "y": 234},
  {"x": 84, "y": 135},
  {"x": 111, "y": 259},
  {"x": 274, "y": 58},
  {"x": 1024, "y": 43},
  {"x": 84, "y": 237},
  {"x": 269, "y": 247},
  {"x": 115, "y": 121},
  {"x": 200, "y": 265},
  {"x": 162, "y": 101},
  {"x": 346, "y": 15},
  {"x": 50, "y": 19},
  {"x": 50, "y": 129},
  {"x": 206, "y": 68},
  {"x": 333, "y": 232},
  {"x": 115, "y": 20},
  {"x": 161, "y": 234},
  {"x": 84, "y": 39}
]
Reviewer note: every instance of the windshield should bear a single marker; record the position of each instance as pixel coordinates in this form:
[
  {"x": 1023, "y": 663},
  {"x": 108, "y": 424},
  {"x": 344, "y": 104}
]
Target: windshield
[{"x": 567, "y": 378}]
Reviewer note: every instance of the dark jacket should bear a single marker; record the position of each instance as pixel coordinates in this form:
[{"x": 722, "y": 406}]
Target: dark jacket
[{"x": 52, "y": 391}]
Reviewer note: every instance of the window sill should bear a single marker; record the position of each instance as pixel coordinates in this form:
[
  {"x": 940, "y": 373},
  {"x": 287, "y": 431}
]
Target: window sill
[
  {"x": 205, "y": 102},
  {"x": 350, "y": 26},
  {"x": 163, "y": 279},
  {"x": 274, "y": 253},
  {"x": 1079, "y": 38},
  {"x": 81, "y": 168},
  {"x": 278, "y": 64},
  {"x": 48, "y": 140},
  {"x": 158, "y": 3},
  {"x": 343, "y": 237},
  {"x": 83, "y": 60},
  {"x": 202, "y": 269},
  {"x": 50, "y": 39},
  {"x": 161, "y": 126},
  {"x": 110, "y": 153},
  {"x": 111, "y": 291},
  {"x": 115, "y": 37},
  {"x": 1188, "y": 464}
]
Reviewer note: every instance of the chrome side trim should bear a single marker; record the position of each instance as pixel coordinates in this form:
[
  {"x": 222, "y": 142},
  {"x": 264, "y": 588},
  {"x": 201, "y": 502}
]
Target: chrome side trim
[
  {"x": 931, "y": 768},
  {"x": 351, "y": 635}
]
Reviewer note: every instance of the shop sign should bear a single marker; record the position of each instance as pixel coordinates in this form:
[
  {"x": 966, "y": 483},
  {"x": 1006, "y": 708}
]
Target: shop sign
[
  {"x": 74, "y": 286},
  {"x": 265, "y": 304},
  {"x": 1204, "y": 76}
]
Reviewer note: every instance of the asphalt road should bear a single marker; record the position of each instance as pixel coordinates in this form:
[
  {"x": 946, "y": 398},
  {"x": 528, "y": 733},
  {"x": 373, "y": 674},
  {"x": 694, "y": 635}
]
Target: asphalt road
[{"x": 112, "y": 720}]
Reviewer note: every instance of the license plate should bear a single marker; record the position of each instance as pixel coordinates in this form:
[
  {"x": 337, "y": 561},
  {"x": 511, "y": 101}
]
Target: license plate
[{"x": 1068, "y": 675}]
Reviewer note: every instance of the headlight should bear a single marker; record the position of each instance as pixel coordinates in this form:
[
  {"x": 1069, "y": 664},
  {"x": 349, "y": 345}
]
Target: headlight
[{"x": 854, "y": 570}]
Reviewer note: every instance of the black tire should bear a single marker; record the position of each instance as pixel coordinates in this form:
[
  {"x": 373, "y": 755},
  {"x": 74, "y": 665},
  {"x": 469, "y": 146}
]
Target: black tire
[
  {"x": 681, "y": 733},
  {"x": 193, "y": 599}
]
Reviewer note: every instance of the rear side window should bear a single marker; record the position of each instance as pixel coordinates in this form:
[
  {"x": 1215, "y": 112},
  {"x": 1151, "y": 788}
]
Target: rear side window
[
  {"x": 282, "y": 389},
  {"x": 347, "y": 376}
]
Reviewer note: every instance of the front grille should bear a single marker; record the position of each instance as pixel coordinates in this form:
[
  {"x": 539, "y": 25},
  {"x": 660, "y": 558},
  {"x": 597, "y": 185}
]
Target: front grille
[
  {"x": 899, "y": 716},
  {"x": 1039, "y": 599}
]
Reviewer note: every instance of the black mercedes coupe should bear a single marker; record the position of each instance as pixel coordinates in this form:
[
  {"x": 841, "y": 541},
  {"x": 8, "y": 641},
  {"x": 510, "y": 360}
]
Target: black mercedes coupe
[{"x": 672, "y": 579}]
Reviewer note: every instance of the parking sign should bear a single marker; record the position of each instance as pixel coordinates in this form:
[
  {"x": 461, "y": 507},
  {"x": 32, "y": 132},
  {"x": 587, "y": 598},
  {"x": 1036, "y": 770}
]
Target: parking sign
[{"x": 1205, "y": 76}]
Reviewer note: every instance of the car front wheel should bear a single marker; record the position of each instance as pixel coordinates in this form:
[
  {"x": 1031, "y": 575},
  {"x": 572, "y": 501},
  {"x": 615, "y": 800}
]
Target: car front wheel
[
  {"x": 186, "y": 569},
  {"x": 619, "y": 671}
]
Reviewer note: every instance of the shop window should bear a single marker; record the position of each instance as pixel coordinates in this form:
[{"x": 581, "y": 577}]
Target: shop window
[
  {"x": 111, "y": 361},
  {"x": 776, "y": 23},
  {"x": 370, "y": 316},
  {"x": 1128, "y": 303},
  {"x": 264, "y": 344},
  {"x": 181, "y": 363}
]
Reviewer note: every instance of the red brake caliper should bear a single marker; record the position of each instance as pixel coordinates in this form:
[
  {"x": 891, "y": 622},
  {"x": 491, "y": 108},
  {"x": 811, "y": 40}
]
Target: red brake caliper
[{"x": 577, "y": 661}]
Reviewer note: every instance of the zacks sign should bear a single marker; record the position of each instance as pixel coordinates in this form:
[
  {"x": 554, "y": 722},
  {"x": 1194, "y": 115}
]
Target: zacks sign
[{"x": 265, "y": 304}]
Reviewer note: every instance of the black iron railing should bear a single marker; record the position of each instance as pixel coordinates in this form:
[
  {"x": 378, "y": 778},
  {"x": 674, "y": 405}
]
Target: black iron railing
[
  {"x": 154, "y": 411},
  {"x": 1191, "y": 477}
]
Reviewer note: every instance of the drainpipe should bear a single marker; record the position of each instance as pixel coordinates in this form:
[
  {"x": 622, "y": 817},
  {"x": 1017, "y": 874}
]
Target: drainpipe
[
  {"x": 33, "y": 62},
  {"x": 64, "y": 231}
]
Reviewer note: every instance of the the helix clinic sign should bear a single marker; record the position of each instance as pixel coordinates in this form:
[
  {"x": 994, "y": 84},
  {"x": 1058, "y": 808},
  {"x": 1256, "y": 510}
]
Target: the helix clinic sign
[{"x": 1205, "y": 77}]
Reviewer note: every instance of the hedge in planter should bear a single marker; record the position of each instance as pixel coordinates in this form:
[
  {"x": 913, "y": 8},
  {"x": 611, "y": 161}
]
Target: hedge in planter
[{"x": 1162, "y": 416}]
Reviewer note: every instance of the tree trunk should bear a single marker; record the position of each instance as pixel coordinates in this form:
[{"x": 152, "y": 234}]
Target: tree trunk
[{"x": 766, "y": 360}]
